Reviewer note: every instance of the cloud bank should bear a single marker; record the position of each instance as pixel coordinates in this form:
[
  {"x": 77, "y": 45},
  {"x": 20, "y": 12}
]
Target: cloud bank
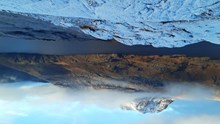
[{"x": 28, "y": 102}]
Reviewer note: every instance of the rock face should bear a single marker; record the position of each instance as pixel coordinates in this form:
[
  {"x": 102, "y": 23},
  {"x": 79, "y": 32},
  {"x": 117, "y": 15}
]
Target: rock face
[
  {"x": 116, "y": 71},
  {"x": 148, "y": 105},
  {"x": 161, "y": 23}
]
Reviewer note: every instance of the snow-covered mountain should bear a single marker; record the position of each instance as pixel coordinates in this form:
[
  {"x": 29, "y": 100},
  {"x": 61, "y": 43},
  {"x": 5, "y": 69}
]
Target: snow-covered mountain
[
  {"x": 161, "y": 23},
  {"x": 148, "y": 105}
]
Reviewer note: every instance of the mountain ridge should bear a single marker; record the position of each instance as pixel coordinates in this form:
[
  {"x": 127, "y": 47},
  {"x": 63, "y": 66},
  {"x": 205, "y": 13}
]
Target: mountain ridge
[{"x": 161, "y": 23}]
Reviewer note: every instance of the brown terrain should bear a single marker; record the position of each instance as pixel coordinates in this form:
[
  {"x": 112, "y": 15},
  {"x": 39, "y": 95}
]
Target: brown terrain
[{"x": 108, "y": 70}]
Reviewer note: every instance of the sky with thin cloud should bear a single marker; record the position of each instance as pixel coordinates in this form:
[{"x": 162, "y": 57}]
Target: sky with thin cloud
[{"x": 25, "y": 103}]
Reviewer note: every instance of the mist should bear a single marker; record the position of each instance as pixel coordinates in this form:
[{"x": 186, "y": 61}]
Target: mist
[{"x": 23, "y": 102}]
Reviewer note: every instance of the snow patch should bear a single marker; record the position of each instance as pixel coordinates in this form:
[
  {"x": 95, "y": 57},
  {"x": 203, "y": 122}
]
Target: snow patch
[{"x": 161, "y": 23}]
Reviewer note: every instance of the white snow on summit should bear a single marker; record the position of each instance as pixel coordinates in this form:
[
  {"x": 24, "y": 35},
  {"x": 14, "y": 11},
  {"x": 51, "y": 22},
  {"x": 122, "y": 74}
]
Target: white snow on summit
[
  {"x": 148, "y": 105},
  {"x": 161, "y": 23}
]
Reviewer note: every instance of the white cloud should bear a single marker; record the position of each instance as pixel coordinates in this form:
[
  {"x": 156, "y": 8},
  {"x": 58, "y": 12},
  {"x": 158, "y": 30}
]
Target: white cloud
[
  {"x": 203, "y": 119},
  {"x": 174, "y": 119},
  {"x": 15, "y": 113}
]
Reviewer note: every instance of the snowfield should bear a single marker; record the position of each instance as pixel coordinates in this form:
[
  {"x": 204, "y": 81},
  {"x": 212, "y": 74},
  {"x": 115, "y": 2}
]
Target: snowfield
[{"x": 161, "y": 23}]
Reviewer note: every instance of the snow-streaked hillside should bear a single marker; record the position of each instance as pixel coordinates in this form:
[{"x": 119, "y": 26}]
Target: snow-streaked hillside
[{"x": 162, "y": 23}]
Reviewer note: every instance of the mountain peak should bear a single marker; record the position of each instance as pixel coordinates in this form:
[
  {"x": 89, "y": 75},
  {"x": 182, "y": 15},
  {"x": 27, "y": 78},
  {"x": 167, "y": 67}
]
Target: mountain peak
[{"x": 148, "y": 105}]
